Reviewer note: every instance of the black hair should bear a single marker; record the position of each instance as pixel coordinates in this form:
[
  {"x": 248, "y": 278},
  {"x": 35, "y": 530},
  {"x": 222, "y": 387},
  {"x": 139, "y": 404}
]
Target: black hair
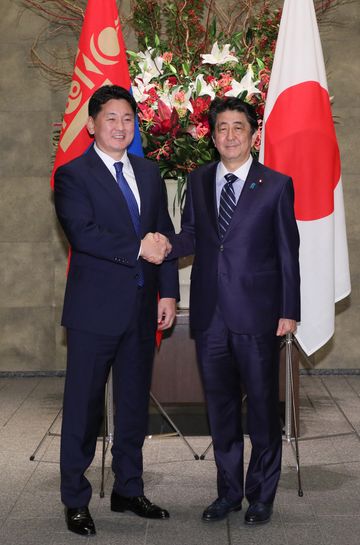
[
  {"x": 106, "y": 93},
  {"x": 219, "y": 105}
]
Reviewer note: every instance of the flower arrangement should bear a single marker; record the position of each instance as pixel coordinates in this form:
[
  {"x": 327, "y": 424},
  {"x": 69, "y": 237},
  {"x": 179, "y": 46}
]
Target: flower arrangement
[
  {"x": 175, "y": 78},
  {"x": 191, "y": 51}
]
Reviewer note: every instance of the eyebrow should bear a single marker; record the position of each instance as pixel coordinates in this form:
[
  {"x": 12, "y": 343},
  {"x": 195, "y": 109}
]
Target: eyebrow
[
  {"x": 225, "y": 123},
  {"x": 128, "y": 114}
]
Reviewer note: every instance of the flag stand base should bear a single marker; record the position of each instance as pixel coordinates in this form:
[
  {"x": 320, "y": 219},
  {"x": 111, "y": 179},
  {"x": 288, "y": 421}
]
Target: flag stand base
[{"x": 291, "y": 417}]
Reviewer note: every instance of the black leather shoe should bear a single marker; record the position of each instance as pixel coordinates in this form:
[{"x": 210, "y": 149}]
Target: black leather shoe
[
  {"x": 139, "y": 505},
  {"x": 258, "y": 513},
  {"x": 79, "y": 521},
  {"x": 219, "y": 509}
]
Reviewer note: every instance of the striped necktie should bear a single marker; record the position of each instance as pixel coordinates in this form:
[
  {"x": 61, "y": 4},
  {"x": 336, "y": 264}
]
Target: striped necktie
[
  {"x": 133, "y": 210},
  {"x": 227, "y": 203}
]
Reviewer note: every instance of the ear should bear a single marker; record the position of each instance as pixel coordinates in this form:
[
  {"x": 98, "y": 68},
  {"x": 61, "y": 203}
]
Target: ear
[
  {"x": 90, "y": 125},
  {"x": 254, "y": 137}
]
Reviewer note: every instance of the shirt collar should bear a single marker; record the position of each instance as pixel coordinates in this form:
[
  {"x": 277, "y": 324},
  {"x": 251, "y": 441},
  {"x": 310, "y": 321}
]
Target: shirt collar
[
  {"x": 241, "y": 172},
  {"x": 109, "y": 161}
]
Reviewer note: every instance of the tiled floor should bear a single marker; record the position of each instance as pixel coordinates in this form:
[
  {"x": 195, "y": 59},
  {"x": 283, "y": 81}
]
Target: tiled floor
[{"x": 327, "y": 514}]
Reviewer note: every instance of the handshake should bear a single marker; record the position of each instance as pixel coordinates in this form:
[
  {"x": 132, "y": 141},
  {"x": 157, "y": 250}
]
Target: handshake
[{"x": 154, "y": 248}]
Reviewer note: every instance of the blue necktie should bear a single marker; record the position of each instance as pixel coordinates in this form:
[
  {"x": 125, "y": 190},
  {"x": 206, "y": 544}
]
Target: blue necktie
[
  {"x": 227, "y": 203},
  {"x": 133, "y": 209}
]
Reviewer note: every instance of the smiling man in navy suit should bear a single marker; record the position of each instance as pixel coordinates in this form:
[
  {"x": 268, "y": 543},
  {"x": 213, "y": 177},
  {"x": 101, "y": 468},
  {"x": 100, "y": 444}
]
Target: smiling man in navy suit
[
  {"x": 109, "y": 203},
  {"x": 239, "y": 223}
]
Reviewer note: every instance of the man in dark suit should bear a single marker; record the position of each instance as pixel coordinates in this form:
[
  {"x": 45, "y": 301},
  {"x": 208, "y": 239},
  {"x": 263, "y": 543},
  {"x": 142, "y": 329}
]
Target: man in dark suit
[
  {"x": 106, "y": 201},
  {"x": 239, "y": 222}
]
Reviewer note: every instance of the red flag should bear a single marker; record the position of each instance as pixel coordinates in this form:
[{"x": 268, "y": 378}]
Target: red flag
[
  {"x": 159, "y": 335},
  {"x": 299, "y": 139},
  {"x": 100, "y": 60}
]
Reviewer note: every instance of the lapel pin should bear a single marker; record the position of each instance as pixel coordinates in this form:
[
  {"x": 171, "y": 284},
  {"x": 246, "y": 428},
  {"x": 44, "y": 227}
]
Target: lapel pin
[{"x": 253, "y": 185}]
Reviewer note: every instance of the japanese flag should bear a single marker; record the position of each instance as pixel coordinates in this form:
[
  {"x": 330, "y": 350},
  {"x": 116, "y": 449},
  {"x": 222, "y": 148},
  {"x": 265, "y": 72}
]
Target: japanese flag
[{"x": 299, "y": 140}]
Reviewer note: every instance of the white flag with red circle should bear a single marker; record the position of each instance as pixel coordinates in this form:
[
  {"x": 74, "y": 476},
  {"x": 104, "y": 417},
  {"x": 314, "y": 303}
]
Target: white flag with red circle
[{"x": 299, "y": 139}]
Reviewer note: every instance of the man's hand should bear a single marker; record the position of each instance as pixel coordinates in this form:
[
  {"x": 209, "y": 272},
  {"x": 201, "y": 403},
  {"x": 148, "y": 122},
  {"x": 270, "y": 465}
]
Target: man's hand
[
  {"x": 166, "y": 312},
  {"x": 154, "y": 248},
  {"x": 286, "y": 326},
  {"x": 158, "y": 237}
]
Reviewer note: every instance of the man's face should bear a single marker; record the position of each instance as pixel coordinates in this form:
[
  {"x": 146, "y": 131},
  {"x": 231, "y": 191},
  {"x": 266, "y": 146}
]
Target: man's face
[
  {"x": 233, "y": 138},
  {"x": 113, "y": 127}
]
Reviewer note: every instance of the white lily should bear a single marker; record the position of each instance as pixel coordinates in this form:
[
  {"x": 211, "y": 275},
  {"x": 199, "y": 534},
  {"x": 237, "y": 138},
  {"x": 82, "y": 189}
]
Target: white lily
[
  {"x": 179, "y": 99},
  {"x": 205, "y": 88},
  {"x": 246, "y": 84},
  {"x": 150, "y": 68},
  {"x": 219, "y": 56},
  {"x": 140, "y": 90}
]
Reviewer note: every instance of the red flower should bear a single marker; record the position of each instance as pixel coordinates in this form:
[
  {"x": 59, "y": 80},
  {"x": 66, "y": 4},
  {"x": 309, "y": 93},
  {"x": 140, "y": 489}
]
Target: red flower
[
  {"x": 153, "y": 96},
  {"x": 167, "y": 56},
  {"x": 221, "y": 92},
  {"x": 172, "y": 80},
  {"x": 210, "y": 78},
  {"x": 200, "y": 131},
  {"x": 163, "y": 151},
  {"x": 146, "y": 113},
  {"x": 225, "y": 80},
  {"x": 200, "y": 106},
  {"x": 166, "y": 121}
]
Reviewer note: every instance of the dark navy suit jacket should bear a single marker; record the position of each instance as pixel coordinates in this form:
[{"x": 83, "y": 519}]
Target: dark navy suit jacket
[
  {"x": 253, "y": 273},
  {"x": 102, "y": 279}
]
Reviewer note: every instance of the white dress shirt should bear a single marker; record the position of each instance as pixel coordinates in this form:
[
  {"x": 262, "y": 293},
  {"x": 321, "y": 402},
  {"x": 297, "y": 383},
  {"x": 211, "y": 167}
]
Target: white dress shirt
[
  {"x": 127, "y": 171},
  {"x": 238, "y": 185}
]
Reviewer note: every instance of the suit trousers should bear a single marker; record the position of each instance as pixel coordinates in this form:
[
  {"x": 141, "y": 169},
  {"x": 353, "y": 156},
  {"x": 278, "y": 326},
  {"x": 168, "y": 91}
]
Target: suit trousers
[
  {"x": 227, "y": 362},
  {"x": 90, "y": 357}
]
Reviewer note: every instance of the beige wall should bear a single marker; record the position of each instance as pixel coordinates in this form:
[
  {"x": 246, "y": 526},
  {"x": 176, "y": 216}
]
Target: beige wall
[{"x": 32, "y": 251}]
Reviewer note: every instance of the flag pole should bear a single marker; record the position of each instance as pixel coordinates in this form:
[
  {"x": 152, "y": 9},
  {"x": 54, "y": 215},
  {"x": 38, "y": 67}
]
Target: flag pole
[{"x": 290, "y": 408}]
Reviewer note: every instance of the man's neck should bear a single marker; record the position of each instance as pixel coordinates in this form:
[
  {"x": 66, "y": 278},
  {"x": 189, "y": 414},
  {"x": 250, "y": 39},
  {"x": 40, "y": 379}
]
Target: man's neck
[
  {"x": 231, "y": 166},
  {"x": 116, "y": 156}
]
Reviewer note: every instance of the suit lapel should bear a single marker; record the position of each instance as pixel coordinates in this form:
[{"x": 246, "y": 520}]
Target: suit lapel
[
  {"x": 104, "y": 177},
  {"x": 102, "y": 174}
]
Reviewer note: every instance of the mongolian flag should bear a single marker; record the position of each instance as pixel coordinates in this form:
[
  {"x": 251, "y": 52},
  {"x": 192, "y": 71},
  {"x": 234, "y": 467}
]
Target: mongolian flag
[
  {"x": 100, "y": 60},
  {"x": 299, "y": 139}
]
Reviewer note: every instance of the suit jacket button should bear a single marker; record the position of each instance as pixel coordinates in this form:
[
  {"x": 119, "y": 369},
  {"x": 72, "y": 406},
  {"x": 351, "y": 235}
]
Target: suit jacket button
[{"x": 221, "y": 248}]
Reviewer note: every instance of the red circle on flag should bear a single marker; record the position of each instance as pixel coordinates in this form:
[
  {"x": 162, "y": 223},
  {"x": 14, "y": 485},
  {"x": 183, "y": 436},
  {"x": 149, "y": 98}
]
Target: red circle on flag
[{"x": 300, "y": 141}]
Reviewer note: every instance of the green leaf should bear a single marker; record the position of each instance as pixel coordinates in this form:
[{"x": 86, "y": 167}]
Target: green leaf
[
  {"x": 186, "y": 68},
  {"x": 172, "y": 68},
  {"x": 212, "y": 29},
  {"x": 132, "y": 54}
]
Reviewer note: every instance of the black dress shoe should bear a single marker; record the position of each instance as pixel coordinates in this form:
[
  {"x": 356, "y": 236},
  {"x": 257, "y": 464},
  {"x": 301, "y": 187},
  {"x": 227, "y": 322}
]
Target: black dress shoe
[
  {"x": 139, "y": 505},
  {"x": 79, "y": 521},
  {"x": 219, "y": 509},
  {"x": 258, "y": 513}
]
